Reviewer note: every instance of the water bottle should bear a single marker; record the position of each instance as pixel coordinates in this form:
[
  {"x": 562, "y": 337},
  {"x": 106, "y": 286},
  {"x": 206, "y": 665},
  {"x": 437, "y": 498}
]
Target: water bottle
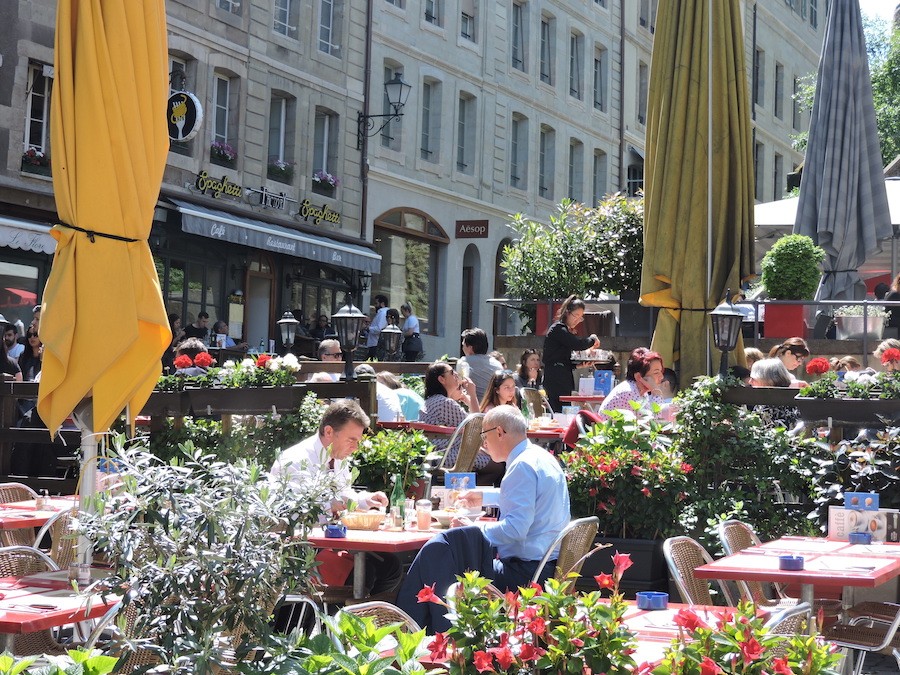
[
  {"x": 262, "y": 346},
  {"x": 526, "y": 409},
  {"x": 398, "y": 499}
]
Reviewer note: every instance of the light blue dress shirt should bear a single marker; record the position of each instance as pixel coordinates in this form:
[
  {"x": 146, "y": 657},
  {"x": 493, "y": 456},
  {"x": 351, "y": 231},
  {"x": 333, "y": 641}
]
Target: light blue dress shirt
[{"x": 533, "y": 501}]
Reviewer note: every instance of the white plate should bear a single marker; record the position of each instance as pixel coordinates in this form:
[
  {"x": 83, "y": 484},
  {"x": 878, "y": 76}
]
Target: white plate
[{"x": 444, "y": 517}]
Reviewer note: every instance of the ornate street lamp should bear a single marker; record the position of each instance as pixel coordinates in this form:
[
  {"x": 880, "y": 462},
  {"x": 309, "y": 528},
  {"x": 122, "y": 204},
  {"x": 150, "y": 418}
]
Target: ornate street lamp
[
  {"x": 347, "y": 322},
  {"x": 397, "y": 92},
  {"x": 287, "y": 324},
  {"x": 726, "y": 325}
]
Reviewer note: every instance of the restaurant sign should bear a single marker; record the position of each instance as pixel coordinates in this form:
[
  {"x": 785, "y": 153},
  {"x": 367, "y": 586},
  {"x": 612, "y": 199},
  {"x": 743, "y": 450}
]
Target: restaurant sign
[
  {"x": 218, "y": 186},
  {"x": 316, "y": 214},
  {"x": 184, "y": 116},
  {"x": 268, "y": 199},
  {"x": 471, "y": 229}
]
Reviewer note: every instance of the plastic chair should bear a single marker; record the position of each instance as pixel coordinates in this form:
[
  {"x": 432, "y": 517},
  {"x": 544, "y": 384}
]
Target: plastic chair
[
  {"x": 383, "y": 614},
  {"x": 469, "y": 433},
  {"x": 63, "y": 541},
  {"x": 573, "y": 542},
  {"x": 18, "y": 561},
  {"x": 16, "y": 492},
  {"x": 684, "y": 555}
]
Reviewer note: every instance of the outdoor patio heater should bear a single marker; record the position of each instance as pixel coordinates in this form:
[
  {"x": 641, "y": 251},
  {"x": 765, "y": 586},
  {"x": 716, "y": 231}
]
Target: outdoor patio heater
[
  {"x": 726, "y": 325},
  {"x": 347, "y": 322}
]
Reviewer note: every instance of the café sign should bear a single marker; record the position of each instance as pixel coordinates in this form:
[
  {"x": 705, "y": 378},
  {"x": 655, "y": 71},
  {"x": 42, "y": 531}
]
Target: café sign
[
  {"x": 316, "y": 214},
  {"x": 268, "y": 199},
  {"x": 471, "y": 229},
  {"x": 218, "y": 186},
  {"x": 184, "y": 115}
]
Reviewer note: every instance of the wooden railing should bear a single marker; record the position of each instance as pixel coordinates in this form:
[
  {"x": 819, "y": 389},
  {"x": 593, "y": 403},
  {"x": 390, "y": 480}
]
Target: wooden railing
[{"x": 249, "y": 400}]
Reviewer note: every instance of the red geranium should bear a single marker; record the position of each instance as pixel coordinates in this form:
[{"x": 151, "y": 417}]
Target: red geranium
[
  {"x": 183, "y": 361},
  {"x": 204, "y": 360},
  {"x": 818, "y": 366},
  {"x": 263, "y": 360},
  {"x": 892, "y": 354}
]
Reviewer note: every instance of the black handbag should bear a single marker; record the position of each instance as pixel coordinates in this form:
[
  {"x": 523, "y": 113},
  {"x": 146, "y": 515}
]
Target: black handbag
[{"x": 413, "y": 343}]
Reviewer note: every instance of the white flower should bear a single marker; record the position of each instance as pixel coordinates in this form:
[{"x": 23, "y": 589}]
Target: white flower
[
  {"x": 273, "y": 364},
  {"x": 289, "y": 362},
  {"x": 228, "y": 365},
  {"x": 851, "y": 376}
]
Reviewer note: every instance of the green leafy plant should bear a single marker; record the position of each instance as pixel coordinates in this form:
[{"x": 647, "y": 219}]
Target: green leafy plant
[
  {"x": 860, "y": 310},
  {"x": 824, "y": 387},
  {"x": 202, "y": 546},
  {"x": 739, "y": 642},
  {"x": 626, "y": 472},
  {"x": 549, "y": 630},
  {"x": 389, "y": 452},
  {"x": 790, "y": 269},
  {"x": 74, "y": 662}
]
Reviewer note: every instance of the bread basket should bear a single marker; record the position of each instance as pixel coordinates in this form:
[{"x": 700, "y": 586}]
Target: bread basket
[{"x": 363, "y": 520}]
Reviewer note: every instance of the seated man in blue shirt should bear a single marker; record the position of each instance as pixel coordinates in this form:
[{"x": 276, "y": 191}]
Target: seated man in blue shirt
[{"x": 534, "y": 508}]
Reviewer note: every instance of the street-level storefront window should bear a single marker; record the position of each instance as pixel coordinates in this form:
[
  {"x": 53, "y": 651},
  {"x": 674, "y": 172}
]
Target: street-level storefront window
[
  {"x": 191, "y": 287},
  {"x": 410, "y": 243},
  {"x": 313, "y": 290}
]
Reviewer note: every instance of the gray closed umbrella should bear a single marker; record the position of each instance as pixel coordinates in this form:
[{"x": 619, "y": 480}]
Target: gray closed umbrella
[{"x": 843, "y": 205}]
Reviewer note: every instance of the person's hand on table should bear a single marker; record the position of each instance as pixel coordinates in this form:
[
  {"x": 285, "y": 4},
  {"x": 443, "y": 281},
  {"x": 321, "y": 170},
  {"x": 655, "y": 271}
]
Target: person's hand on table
[
  {"x": 338, "y": 506},
  {"x": 378, "y": 500},
  {"x": 471, "y": 499},
  {"x": 461, "y": 521}
]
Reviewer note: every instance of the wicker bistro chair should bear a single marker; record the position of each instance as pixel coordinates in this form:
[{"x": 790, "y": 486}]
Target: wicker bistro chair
[
  {"x": 537, "y": 403},
  {"x": 63, "y": 541},
  {"x": 683, "y": 556},
  {"x": 18, "y": 561},
  {"x": 735, "y": 536},
  {"x": 573, "y": 542},
  {"x": 383, "y": 614},
  {"x": 113, "y": 637},
  {"x": 469, "y": 435},
  {"x": 860, "y": 640},
  {"x": 16, "y": 492}
]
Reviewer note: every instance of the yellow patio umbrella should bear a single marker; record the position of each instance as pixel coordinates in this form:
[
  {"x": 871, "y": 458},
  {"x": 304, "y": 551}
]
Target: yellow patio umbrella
[
  {"x": 103, "y": 323},
  {"x": 698, "y": 208}
]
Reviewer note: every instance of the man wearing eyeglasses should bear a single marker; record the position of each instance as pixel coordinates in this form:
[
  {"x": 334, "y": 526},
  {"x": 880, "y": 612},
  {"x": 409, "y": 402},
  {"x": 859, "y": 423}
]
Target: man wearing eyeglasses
[
  {"x": 534, "y": 508},
  {"x": 329, "y": 352}
]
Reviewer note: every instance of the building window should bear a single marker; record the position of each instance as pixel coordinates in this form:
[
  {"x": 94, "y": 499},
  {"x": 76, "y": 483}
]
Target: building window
[
  {"x": 598, "y": 176},
  {"x": 232, "y": 6},
  {"x": 601, "y": 76},
  {"x": 576, "y": 49},
  {"x": 431, "y": 121},
  {"x": 576, "y": 170},
  {"x": 325, "y": 145},
  {"x": 467, "y": 20},
  {"x": 410, "y": 244},
  {"x": 795, "y": 105},
  {"x": 814, "y": 13},
  {"x": 36, "y": 150},
  {"x": 434, "y": 12},
  {"x": 647, "y": 15},
  {"x": 643, "y": 83},
  {"x": 779, "y": 91},
  {"x": 546, "y": 162},
  {"x": 465, "y": 135},
  {"x": 282, "y": 111},
  {"x": 287, "y": 13},
  {"x": 600, "y": 3},
  {"x": 329, "y": 25},
  {"x": 547, "y": 47},
  {"x": 517, "y": 54},
  {"x": 759, "y": 158},
  {"x": 224, "y": 134},
  {"x": 392, "y": 131},
  {"x": 635, "y": 179},
  {"x": 778, "y": 177},
  {"x": 518, "y": 152},
  {"x": 759, "y": 77},
  {"x": 396, "y": 3}
]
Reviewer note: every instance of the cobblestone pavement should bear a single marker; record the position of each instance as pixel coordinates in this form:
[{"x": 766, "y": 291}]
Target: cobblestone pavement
[{"x": 879, "y": 664}]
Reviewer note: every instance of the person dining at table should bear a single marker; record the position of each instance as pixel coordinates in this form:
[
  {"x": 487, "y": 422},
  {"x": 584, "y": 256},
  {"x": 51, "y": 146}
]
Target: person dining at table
[
  {"x": 444, "y": 392},
  {"x": 534, "y": 508},
  {"x": 328, "y": 452},
  {"x": 642, "y": 383},
  {"x": 773, "y": 373},
  {"x": 529, "y": 372},
  {"x": 792, "y": 353},
  {"x": 559, "y": 344},
  {"x": 501, "y": 390}
]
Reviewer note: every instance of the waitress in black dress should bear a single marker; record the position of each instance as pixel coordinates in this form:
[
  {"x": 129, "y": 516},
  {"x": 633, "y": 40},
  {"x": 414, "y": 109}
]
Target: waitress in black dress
[{"x": 559, "y": 344}]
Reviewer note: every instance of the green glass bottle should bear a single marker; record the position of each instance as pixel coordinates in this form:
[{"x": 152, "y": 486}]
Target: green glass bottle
[{"x": 398, "y": 496}]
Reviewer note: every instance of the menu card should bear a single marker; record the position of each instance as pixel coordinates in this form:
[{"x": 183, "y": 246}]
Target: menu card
[{"x": 883, "y": 524}]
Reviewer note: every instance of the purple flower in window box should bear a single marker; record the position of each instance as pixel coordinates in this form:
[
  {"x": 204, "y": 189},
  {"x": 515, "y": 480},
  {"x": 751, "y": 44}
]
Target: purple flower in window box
[{"x": 325, "y": 179}]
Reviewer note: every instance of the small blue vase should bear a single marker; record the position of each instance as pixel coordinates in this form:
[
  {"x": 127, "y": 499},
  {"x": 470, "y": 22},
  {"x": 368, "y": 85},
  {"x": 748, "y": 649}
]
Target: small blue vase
[{"x": 335, "y": 531}]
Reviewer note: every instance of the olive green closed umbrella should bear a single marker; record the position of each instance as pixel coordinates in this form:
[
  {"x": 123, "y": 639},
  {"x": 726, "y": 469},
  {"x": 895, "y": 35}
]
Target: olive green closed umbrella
[{"x": 698, "y": 208}]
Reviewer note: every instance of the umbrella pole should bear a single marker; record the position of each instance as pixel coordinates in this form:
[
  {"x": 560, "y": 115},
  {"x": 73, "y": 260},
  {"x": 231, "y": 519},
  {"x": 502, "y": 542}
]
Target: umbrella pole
[
  {"x": 709, "y": 176},
  {"x": 88, "y": 487}
]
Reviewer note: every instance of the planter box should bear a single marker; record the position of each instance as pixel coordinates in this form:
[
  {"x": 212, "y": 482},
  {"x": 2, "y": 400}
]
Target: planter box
[
  {"x": 851, "y": 327},
  {"x": 649, "y": 572},
  {"x": 784, "y": 321},
  {"x": 242, "y": 401},
  {"x": 751, "y": 396},
  {"x": 855, "y": 411}
]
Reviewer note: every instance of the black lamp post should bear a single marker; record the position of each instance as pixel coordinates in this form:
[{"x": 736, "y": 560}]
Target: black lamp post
[
  {"x": 347, "y": 322},
  {"x": 287, "y": 324},
  {"x": 397, "y": 92},
  {"x": 726, "y": 325},
  {"x": 392, "y": 336}
]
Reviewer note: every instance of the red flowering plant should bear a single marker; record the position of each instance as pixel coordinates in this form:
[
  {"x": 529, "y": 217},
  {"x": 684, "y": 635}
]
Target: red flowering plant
[
  {"x": 728, "y": 641},
  {"x": 536, "y": 630},
  {"x": 626, "y": 472},
  {"x": 195, "y": 372}
]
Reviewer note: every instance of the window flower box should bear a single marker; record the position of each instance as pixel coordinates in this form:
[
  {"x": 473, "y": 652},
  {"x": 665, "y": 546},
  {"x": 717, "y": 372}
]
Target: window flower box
[
  {"x": 222, "y": 154},
  {"x": 325, "y": 183},
  {"x": 281, "y": 171},
  {"x": 36, "y": 161}
]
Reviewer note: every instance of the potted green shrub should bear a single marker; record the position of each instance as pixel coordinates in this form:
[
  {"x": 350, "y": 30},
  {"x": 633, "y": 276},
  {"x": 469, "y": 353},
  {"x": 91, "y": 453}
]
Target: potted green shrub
[
  {"x": 389, "y": 453},
  {"x": 790, "y": 271}
]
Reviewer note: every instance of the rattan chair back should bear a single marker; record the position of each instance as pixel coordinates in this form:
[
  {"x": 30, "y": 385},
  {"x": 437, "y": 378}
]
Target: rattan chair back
[
  {"x": 573, "y": 543},
  {"x": 469, "y": 435},
  {"x": 735, "y": 536},
  {"x": 684, "y": 555},
  {"x": 63, "y": 540},
  {"x": 537, "y": 403},
  {"x": 383, "y": 614},
  {"x": 16, "y": 492},
  {"x": 115, "y": 638}
]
